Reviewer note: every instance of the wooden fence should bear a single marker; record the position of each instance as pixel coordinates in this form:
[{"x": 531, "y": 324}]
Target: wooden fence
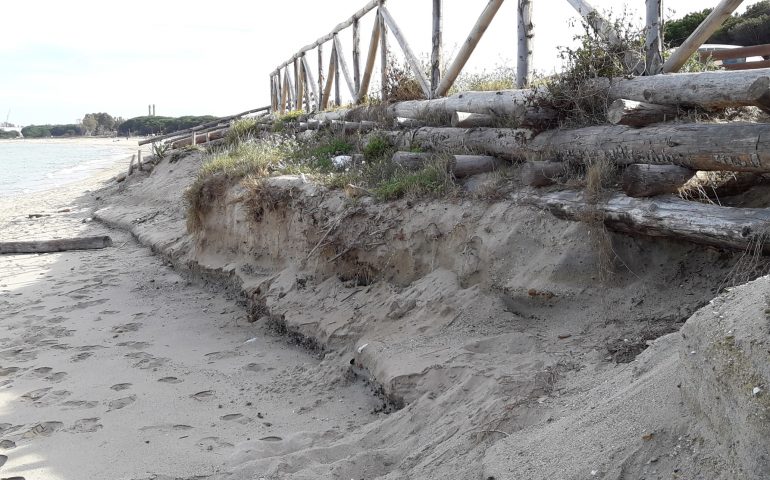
[{"x": 294, "y": 85}]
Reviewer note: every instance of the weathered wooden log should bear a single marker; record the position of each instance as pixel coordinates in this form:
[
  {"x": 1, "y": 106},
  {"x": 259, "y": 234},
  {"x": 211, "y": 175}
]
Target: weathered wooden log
[
  {"x": 472, "y": 120},
  {"x": 204, "y": 125},
  {"x": 437, "y": 39},
  {"x": 541, "y": 174},
  {"x": 640, "y": 180},
  {"x": 131, "y": 165},
  {"x": 666, "y": 216},
  {"x": 711, "y": 90},
  {"x": 211, "y": 135},
  {"x": 717, "y": 185},
  {"x": 57, "y": 245},
  {"x": 525, "y": 33},
  {"x": 639, "y": 114},
  {"x": 515, "y": 104},
  {"x": 699, "y": 146},
  {"x": 363, "y": 90},
  {"x": 461, "y": 165}
]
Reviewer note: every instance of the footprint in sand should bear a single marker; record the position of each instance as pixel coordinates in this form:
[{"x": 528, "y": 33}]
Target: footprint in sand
[
  {"x": 167, "y": 428},
  {"x": 41, "y": 371},
  {"x": 35, "y": 395},
  {"x": 235, "y": 417},
  {"x": 7, "y": 444},
  {"x": 56, "y": 377},
  {"x": 78, "y": 404},
  {"x": 57, "y": 319},
  {"x": 201, "y": 396},
  {"x": 86, "y": 425},
  {"x": 221, "y": 355},
  {"x": 253, "y": 367},
  {"x": 170, "y": 380},
  {"x": 80, "y": 356},
  {"x": 121, "y": 403},
  {"x": 121, "y": 386},
  {"x": 78, "y": 306},
  {"x": 213, "y": 444},
  {"x": 89, "y": 348},
  {"x": 18, "y": 354},
  {"x": 128, "y": 327},
  {"x": 146, "y": 360},
  {"x": 43, "y": 429},
  {"x": 4, "y": 372},
  {"x": 134, "y": 345}
]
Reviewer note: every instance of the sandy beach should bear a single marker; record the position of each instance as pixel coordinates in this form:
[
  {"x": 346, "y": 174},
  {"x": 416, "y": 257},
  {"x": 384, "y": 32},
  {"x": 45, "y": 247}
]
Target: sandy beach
[{"x": 114, "y": 366}]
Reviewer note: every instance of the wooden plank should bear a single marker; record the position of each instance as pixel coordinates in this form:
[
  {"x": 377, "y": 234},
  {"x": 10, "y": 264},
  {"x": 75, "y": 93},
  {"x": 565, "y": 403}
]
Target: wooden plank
[
  {"x": 57, "y": 245},
  {"x": 363, "y": 91},
  {"x": 436, "y": 54},
  {"x": 356, "y": 57},
  {"x": 342, "y": 26},
  {"x": 411, "y": 58},
  {"x": 344, "y": 64},
  {"x": 467, "y": 48},
  {"x": 742, "y": 52},
  {"x": 524, "y": 50},
  {"x": 653, "y": 47},
  {"x": 707, "y": 28}
]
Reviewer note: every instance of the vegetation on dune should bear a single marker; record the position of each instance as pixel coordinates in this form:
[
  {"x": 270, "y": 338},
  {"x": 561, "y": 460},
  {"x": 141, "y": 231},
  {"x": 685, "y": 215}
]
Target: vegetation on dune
[
  {"x": 4, "y": 135},
  {"x": 750, "y": 28}
]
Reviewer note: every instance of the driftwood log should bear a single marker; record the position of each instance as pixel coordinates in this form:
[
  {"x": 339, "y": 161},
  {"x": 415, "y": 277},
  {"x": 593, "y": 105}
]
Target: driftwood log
[
  {"x": 541, "y": 174},
  {"x": 717, "y": 185},
  {"x": 640, "y": 180},
  {"x": 698, "y": 146},
  {"x": 58, "y": 245},
  {"x": 639, "y": 114},
  {"x": 667, "y": 216},
  {"x": 472, "y": 120},
  {"x": 460, "y": 165}
]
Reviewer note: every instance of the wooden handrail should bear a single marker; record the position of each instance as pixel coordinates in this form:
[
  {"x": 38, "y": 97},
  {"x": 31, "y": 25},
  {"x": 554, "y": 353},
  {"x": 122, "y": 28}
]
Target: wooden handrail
[
  {"x": 741, "y": 52},
  {"x": 747, "y": 65},
  {"x": 202, "y": 126}
]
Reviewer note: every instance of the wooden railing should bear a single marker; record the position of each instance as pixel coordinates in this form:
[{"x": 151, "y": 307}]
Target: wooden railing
[
  {"x": 740, "y": 54},
  {"x": 294, "y": 87}
]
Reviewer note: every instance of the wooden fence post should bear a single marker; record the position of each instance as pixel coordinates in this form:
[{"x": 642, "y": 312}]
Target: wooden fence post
[
  {"x": 411, "y": 58},
  {"x": 383, "y": 55},
  {"x": 653, "y": 47},
  {"x": 337, "y": 98},
  {"x": 344, "y": 65},
  {"x": 329, "y": 79},
  {"x": 526, "y": 33},
  {"x": 320, "y": 77},
  {"x": 356, "y": 57},
  {"x": 467, "y": 49},
  {"x": 707, "y": 28},
  {"x": 363, "y": 91},
  {"x": 595, "y": 20},
  {"x": 436, "y": 55}
]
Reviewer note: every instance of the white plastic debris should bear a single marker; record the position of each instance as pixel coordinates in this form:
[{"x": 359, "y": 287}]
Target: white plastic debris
[
  {"x": 362, "y": 347},
  {"x": 251, "y": 340},
  {"x": 593, "y": 473},
  {"x": 342, "y": 161},
  {"x": 756, "y": 391}
]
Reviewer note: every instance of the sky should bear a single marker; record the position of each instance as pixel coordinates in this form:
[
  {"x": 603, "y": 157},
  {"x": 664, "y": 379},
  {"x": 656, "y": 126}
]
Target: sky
[{"x": 60, "y": 60}]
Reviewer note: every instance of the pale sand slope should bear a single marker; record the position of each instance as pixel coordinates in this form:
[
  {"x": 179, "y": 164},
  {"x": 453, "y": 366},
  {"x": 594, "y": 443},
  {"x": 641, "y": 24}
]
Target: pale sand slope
[{"x": 115, "y": 367}]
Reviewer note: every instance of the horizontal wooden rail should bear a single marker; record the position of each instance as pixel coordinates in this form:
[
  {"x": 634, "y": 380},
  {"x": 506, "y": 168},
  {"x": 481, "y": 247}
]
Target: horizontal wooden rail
[
  {"x": 356, "y": 16},
  {"x": 747, "y": 65},
  {"x": 742, "y": 52},
  {"x": 202, "y": 126}
]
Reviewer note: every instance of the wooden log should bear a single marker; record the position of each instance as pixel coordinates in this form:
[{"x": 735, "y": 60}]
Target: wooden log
[
  {"x": 344, "y": 64},
  {"x": 401, "y": 122},
  {"x": 719, "y": 89},
  {"x": 472, "y": 120},
  {"x": 203, "y": 125},
  {"x": 356, "y": 57},
  {"x": 641, "y": 180},
  {"x": 639, "y": 114},
  {"x": 298, "y": 84},
  {"x": 667, "y": 216},
  {"x": 468, "y": 47},
  {"x": 436, "y": 54},
  {"x": 139, "y": 158},
  {"x": 284, "y": 96},
  {"x": 57, "y": 245},
  {"x": 363, "y": 91},
  {"x": 292, "y": 91},
  {"x": 541, "y": 174},
  {"x": 513, "y": 104},
  {"x": 334, "y": 115},
  {"x": 741, "y": 52},
  {"x": 699, "y": 146},
  {"x": 524, "y": 50},
  {"x": 131, "y": 165},
  {"x": 708, "y": 26},
  {"x": 310, "y": 80},
  {"x": 717, "y": 185},
  {"x": 411, "y": 58},
  {"x": 460, "y": 166},
  {"x": 746, "y": 65},
  {"x": 653, "y": 45},
  {"x": 342, "y": 26}
]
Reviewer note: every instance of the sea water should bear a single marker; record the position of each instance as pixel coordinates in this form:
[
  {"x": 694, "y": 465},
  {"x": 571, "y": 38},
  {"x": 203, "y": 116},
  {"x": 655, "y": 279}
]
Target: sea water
[{"x": 28, "y": 166}]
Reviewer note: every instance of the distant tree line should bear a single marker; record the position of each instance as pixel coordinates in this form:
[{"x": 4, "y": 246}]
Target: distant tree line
[
  {"x": 6, "y": 134},
  {"x": 43, "y": 131},
  {"x": 154, "y": 125},
  {"x": 750, "y": 28}
]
